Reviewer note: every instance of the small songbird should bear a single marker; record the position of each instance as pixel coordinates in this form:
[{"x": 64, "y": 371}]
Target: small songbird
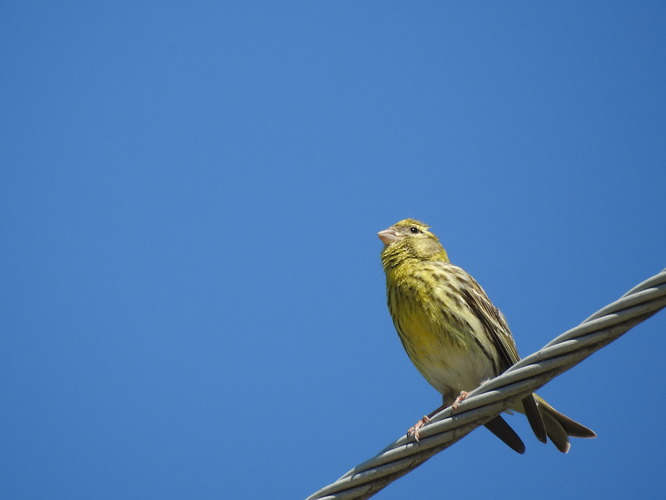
[{"x": 454, "y": 334}]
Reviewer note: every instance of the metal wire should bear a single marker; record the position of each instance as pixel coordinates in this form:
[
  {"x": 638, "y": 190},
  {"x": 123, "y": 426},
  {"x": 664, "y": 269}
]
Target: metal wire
[{"x": 496, "y": 395}]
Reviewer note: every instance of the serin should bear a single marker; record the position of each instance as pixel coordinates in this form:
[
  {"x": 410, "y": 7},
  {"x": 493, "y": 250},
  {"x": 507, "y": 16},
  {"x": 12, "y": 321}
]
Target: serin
[{"x": 454, "y": 334}]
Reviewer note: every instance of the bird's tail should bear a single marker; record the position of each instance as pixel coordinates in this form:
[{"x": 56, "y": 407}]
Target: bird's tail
[{"x": 559, "y": 427}]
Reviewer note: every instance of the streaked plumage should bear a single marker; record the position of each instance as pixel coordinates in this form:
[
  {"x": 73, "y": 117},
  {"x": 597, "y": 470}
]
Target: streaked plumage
[{"x": 453, "y": 333}]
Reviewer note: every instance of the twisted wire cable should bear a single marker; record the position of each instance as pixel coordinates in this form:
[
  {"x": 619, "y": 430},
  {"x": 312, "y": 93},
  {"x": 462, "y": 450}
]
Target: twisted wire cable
[{"x": 497, "y": 394}]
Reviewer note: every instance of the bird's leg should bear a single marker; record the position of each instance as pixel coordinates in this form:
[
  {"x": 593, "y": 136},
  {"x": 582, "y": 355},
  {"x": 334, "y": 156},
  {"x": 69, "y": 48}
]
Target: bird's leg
[
  {"x": 414, "y": 430},
  {"x": 461, "y": 397}
]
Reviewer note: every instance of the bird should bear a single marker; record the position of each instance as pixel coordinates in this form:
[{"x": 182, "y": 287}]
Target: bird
[{"x": 454, "y": 335}]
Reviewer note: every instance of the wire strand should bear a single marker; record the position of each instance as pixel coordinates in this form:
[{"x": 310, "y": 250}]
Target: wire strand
[{"x": 496, "y": 395}]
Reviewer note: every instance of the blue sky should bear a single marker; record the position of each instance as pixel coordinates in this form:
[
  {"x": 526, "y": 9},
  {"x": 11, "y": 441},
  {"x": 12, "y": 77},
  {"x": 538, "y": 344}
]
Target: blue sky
[{"x": 192, "y": 301}]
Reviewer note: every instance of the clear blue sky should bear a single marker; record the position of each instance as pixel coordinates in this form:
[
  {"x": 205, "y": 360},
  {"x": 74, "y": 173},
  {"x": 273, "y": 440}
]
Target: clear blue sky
[{"x": 192, "y": 301}]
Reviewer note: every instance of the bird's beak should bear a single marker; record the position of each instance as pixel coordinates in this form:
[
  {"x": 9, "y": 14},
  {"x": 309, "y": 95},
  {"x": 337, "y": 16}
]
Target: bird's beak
[{"x": 388, "y": 236}]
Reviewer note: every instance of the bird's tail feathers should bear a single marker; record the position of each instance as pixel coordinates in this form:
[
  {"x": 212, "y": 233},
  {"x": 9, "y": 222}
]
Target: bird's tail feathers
[{"x": 559, "y": 427}]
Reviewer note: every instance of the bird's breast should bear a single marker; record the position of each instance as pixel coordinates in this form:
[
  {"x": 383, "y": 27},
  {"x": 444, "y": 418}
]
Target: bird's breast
[{"x": 437, "y": 333}]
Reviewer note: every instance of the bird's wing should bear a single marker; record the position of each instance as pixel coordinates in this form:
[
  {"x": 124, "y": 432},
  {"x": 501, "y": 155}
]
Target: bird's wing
[
  {"x": 492, "y": 320},
  {"x": 497, "y": 330}
]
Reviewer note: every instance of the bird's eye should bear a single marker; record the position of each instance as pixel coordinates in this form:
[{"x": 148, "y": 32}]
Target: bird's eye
[{"x": 414, "y": 230}]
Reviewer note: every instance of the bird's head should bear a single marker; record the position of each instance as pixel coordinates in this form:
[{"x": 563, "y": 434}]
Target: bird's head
[{"x": 410, "y": 239}]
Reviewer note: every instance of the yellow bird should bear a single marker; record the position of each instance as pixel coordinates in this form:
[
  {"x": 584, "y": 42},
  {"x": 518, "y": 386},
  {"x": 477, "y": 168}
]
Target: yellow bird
[{"x": 454, "y": 334}]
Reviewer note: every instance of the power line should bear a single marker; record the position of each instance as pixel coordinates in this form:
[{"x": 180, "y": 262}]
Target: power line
[{"x": 496, "y": 395}]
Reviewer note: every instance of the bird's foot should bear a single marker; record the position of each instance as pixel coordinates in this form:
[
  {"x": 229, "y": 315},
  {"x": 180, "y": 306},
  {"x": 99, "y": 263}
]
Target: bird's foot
[
  {"x": 414, "y": 430},
  {"x": 459, "y": 399}
]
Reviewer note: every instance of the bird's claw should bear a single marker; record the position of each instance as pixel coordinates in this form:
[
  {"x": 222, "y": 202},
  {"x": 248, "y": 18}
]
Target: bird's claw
[
  {"x": 461, "y": 397},
  {"x": 414, "y": 430}
]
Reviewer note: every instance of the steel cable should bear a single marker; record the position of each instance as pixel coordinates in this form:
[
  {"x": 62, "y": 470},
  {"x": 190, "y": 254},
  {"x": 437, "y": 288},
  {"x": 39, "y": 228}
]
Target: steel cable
[{"x": 496, "y": 395}]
